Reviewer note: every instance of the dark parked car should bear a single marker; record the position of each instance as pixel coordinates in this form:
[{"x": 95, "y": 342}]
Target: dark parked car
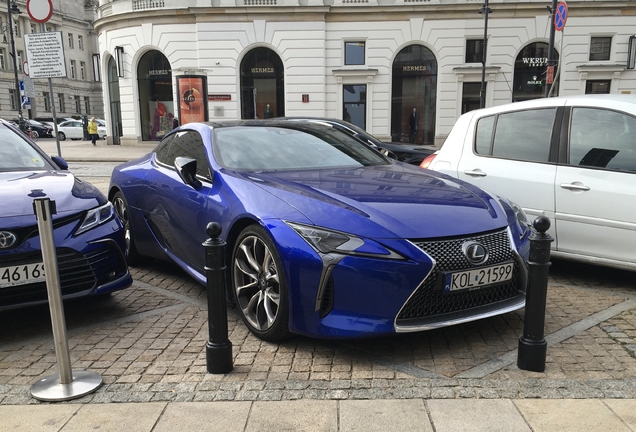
[
  {"x": 325, "y": 236},
  {"x": 88, "y": 234},
  {"x": 42, "y": 130},
  {"x": 404, "y": 152}
]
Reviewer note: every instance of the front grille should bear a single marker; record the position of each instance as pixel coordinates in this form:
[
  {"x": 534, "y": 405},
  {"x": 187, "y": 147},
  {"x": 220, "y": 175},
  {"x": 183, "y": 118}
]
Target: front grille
[
  {"x": 24, "y": 233},
  {"x": 430, "y": 299},
  {"x": 78, "y": 273}
]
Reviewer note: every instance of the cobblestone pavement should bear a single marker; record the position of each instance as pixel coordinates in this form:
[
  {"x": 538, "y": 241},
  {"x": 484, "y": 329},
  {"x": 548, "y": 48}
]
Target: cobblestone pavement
[{"x": 148, "y": 343}]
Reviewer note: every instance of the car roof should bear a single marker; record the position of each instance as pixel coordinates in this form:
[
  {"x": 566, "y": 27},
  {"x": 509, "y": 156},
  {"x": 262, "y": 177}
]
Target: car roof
[{"x": 626, "y": 101}]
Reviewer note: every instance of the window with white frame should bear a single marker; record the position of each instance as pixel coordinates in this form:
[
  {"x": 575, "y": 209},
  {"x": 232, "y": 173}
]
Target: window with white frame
[
  {"x": 87, "y": 105},
  {"x": 80, "y": 42},
  {"x": 600, "y": 48},
  {"x": 60, "y": 102},
  {"x": 82, "y": 71},
  {"x": 2, "y": 59},
  {"x": 46, "y": 97},
  {"x": 70, "y": 40},
  {"x": 34, "y": 28},
  {"x": 78, "y": 105},
  {"x": 19, "y": 56},
  {"x": 13, "y": 99},
  {"x": 72, "y": 69},
  {"x": 354, "y": 53},
  {"x": 16, "y": 26}
]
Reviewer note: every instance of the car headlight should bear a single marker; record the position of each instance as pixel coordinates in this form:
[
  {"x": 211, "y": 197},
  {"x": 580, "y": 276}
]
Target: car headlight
[
  {"x": 520, "y": 216},
  {"x": 96, "y": 216},
  {"x": 327, "y": 241}
]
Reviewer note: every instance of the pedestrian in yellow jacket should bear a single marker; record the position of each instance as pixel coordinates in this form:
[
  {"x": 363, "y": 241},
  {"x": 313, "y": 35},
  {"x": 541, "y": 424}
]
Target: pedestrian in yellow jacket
[{"x": 92, "y": 130}]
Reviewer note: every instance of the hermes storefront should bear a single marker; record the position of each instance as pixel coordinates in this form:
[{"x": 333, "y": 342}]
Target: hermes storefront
[{"x": 407, "y": 83}]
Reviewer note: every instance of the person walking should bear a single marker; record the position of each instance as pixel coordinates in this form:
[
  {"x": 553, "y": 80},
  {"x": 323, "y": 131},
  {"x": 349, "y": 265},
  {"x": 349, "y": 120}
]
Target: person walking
[{"x": 92, "y": 130}]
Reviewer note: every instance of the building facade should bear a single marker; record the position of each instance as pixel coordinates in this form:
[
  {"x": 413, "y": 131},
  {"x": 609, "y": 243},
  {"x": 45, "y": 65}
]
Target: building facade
[
  {"x": 77, "y": 94},
  {"x": 404, "y": 70}
]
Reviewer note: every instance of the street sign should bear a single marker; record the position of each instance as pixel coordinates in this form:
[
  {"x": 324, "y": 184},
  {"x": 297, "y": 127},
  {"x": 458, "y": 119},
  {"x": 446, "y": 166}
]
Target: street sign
[
  {"x": 560, "y": 16},
  {"x": 45, "y": 54},
  {"x": 27, "y": 85},
  {"x": 39, "y": 10},
  {"x": 25, "y": 101}
]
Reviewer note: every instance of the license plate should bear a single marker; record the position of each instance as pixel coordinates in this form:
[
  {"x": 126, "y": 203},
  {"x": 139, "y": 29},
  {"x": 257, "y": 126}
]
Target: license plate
[
  {"x": 477, "y": 278},
  {"x": 21, "y": 274}
]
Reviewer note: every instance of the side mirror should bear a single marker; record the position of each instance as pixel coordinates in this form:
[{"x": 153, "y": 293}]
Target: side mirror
[
  {"x": 187, "y": 170},
  {"x": 60, "y": 162}
]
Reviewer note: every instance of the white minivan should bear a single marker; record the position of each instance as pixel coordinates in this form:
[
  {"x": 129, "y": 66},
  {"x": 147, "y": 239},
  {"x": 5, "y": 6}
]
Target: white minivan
[{"x": 571, "y": 158}]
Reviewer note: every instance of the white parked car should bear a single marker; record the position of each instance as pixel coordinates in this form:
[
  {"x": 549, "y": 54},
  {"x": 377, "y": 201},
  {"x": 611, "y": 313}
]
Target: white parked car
[
  {"x": 572, "y": 159},
  {"x": 74, "y": 130}
]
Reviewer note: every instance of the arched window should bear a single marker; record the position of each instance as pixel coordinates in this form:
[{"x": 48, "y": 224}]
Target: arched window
[
  {"x": 262, "y": 85},
  {"x": 414, "y": 95},
  {"x": 155, "y": 95},
  {"x": 530, "y": 72}
]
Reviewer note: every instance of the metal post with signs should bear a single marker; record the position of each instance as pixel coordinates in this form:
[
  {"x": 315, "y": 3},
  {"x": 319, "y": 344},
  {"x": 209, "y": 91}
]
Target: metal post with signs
[{"x": 45, "y": 54}]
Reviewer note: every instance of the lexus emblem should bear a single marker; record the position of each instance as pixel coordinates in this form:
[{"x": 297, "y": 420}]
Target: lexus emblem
[
  {"x": 7, "y": 239},
  {"x": 475, "y": 252}
]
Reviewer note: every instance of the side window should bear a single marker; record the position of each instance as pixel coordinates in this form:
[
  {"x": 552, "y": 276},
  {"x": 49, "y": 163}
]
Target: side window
[
  {"x": 190, "y": 144},
  {"x": 524, "y": 135},
  {"x": 483, "y": 137},
  {"x": 163, "y": 151},
  {"x": 603, "y": 139}
]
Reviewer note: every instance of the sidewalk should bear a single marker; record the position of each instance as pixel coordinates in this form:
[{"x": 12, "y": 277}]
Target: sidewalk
[
  {"x": 148, "y": 344},
  {"x": 84, "y": 151}
]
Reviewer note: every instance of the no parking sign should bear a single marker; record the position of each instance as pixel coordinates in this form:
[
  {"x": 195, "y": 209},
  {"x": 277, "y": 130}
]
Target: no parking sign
[{"x": 560, "y": 15}]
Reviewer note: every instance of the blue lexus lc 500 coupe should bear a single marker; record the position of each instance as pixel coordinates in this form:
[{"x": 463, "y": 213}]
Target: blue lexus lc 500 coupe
[
  {"x": 88, "y": 235},
  {"x": 325, "y": 236}
]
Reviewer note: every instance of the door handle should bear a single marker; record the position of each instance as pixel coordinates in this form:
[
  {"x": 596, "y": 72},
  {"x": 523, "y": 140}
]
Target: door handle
[
  {"x": 475, "y": 173},
  {"x": 151, "y": 185},
  {"x": 574, "y": 187}
]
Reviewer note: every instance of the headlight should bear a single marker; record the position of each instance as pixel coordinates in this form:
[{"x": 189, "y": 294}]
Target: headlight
[
  {"x": 327, "y": 241},
  {"x": 520, "y": 215},
  {"x": 96, "y": 216}
]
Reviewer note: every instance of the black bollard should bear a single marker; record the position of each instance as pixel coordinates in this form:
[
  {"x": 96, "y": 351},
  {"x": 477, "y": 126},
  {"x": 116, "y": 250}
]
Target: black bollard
[
  {"x": 218, "y": 350},
  {"x": 532, "y": 345}
]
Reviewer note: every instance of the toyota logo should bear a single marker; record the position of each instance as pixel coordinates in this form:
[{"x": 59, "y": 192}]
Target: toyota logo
[
  {"x": 7, "y": 239},
  {"x": 475, "y": 252}
]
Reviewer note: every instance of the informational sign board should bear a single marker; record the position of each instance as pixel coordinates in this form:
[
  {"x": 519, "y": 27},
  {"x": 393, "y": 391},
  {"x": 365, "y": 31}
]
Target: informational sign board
[
  {"x": 45, "y": 54},
  {"x": 560, "y": 16}
]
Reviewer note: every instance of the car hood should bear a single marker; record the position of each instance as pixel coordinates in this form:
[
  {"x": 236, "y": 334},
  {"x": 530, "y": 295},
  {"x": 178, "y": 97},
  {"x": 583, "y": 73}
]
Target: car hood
[
  {"x": 388, "y": 201},
  {"x": 19, "y": 189}
]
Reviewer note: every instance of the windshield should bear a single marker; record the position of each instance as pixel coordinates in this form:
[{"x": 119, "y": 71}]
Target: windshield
[
  {"x": 290, "y": 147},
  {"x": 16, "y": 154}
]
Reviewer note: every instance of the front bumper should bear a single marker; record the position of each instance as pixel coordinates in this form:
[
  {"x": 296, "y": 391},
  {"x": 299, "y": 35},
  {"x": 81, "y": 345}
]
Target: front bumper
[
  {"x": 360, "y": 296},
  {"x": 91, "y": 263}
]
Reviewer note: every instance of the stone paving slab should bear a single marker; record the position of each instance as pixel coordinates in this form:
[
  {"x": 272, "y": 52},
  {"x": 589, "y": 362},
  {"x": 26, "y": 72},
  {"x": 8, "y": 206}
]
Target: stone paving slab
[{"x": 148, "y": 343}]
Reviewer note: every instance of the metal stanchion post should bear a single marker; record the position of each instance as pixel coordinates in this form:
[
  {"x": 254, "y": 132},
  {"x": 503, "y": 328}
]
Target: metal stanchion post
[
  {"x": 67, "y": 384},
  {"x": 532, "y": 345},
  {"x": 218, "y": 350}
]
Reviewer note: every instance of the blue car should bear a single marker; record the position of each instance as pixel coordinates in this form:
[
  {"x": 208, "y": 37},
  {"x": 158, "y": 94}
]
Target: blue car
[
  {"x": 88, "y": 234},
  {"x": 326, "y": 237}
]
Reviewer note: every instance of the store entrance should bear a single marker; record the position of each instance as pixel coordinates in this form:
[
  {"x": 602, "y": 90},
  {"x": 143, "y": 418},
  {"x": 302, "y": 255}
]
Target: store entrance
[
  {"x": 262, "y": 85},
  {"x": 156, "y": 103}
]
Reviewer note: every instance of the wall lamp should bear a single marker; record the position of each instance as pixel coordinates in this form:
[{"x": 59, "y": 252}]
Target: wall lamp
[{"x": 119, "y": 58}]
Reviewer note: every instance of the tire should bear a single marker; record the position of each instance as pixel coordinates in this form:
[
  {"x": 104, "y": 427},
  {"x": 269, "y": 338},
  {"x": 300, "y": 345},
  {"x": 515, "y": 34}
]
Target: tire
[
  {"x": 34, "y": 135},
  {"x": 61, "y": 136},
  {"x": 121, "y": 208},
  {"x": 259, "y": 286}
]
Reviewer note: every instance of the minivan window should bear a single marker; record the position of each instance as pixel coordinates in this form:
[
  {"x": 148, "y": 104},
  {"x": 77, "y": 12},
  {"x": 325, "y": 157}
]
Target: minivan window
[
  {"x": 520, "y": 135},
  {"x": 603, "y": 139}
]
